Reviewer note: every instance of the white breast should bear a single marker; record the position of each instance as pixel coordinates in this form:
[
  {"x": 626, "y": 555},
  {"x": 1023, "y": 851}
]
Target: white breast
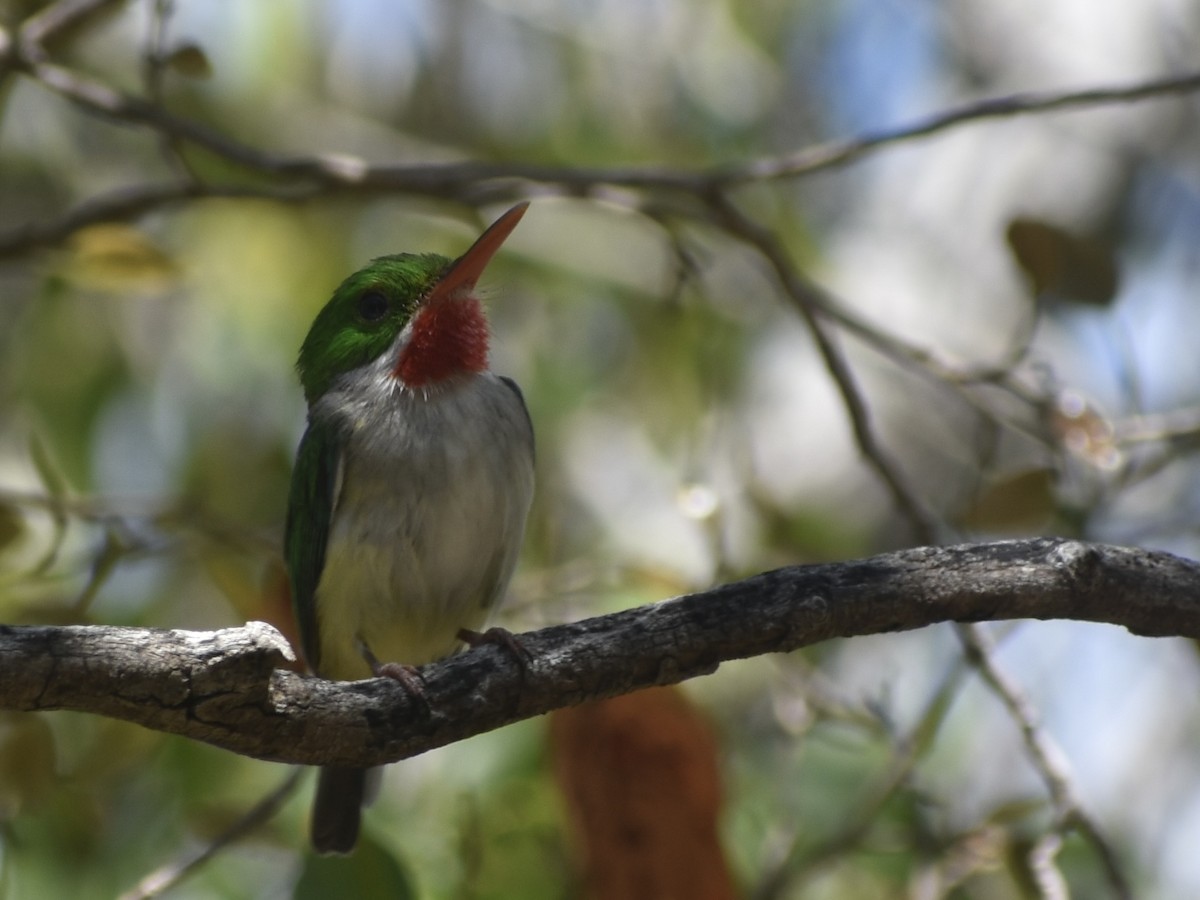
[{"x": 427, "y": 525}]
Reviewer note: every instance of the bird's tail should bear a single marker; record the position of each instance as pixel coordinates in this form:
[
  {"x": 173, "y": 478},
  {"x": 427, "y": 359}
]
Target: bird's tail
[{"x": 337, "y": 807}]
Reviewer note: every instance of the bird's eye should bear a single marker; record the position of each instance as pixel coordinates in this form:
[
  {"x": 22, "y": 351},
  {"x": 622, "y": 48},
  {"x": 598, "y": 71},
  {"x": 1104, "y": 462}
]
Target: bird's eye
[{"x": 372, "y": 306}]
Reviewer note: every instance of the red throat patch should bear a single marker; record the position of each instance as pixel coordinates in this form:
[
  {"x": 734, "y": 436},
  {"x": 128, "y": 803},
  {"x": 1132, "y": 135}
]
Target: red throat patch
[{"x": 449, "y": 337}]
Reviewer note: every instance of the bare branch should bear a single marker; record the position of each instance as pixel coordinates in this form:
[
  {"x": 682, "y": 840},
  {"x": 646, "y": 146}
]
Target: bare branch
[
  {"x": 223, "y": 688},
  {"x": 1047, "y": 757},
  {"x": 163, "y": 879},
  {"x": 799, "y": 864},
  {"x": 806, "y": 299},
  {"x": 473, "y": 183},
  {"x": 124, "y": 204},
  {"x": 841, "y": 152},
  {"x": 56, "y": 19}
]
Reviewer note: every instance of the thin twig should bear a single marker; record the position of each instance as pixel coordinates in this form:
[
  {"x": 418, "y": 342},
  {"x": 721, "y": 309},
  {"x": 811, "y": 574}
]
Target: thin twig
[
  {"x": 154, "y": 72},
  {"x": 163, "y": 879},
  {"x": 797, "y": 866},
  {"x": 55, "y": 19},
  {"x": 1047, "y": 876},
  {"x": 475, "y": 182},
  {"x": 804, "y": 298},
  {"x": 841, "y": 152},
  {"x": 1046, "y": 755},
  {"x": 124, "y": 204}
]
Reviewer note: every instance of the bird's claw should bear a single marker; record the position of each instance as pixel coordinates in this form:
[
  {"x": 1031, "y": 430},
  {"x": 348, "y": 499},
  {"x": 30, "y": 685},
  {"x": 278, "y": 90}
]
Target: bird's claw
[
  {"x": 408, "y": 676},
  {"x": 501, "y": 637}
]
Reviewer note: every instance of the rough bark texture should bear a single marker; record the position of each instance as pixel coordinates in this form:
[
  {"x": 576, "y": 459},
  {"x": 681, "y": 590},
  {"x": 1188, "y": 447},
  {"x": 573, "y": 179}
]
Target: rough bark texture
[{"x": 224, "y": 687}]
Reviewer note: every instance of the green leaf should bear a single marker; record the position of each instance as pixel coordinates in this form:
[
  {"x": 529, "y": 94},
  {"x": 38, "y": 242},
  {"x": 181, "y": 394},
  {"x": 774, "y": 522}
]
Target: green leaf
[
  {"x": 56, "y": 486},
  {"x": 370, "y": 872},
  {"x": 12, "y": 525},
  {"x": 27, "y": 762},
  {"x": 48, "y": 471}
]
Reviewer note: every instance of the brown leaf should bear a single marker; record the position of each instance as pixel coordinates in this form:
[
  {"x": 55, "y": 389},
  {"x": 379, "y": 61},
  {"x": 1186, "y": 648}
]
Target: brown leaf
[
  {"x": 1063, "y": 265},
  {"x": 1017, "y": 502},
  {"x": 189, "y": 60},
  {"x": 641, "y": 780}
]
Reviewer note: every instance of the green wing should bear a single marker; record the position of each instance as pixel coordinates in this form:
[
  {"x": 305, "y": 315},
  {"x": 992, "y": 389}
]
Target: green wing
[{"x": 310, "y": 512}]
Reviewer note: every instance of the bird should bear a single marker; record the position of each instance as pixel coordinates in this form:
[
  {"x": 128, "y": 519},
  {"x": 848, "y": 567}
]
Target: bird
[{"x": 411, "y": 487}]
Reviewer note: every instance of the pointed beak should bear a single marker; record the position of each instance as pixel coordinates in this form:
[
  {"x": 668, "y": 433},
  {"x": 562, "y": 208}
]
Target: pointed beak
[{"x": 464, "y": 272}]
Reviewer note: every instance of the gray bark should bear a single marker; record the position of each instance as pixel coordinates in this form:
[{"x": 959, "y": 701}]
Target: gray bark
[{"x": 226, "y": 688}]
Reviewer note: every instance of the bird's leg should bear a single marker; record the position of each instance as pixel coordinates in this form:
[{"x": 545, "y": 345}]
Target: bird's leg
[
  {"x": 501, "y": 637},
  {"x": 408, "y": 676}
]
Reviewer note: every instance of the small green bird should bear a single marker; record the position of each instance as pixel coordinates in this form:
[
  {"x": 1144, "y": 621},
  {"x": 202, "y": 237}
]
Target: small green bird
[{"x": 411, "y": 486}]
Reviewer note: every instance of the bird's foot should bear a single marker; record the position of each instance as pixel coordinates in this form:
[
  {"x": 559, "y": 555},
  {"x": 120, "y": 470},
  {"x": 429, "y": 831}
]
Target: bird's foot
[
  {"x": 408, "y": 676},
  {"x": 501, "y": 637}
]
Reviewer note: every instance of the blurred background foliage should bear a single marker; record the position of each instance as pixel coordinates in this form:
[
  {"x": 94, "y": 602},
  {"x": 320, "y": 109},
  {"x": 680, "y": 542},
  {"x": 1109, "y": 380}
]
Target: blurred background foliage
[{"x": 688, "y": 430}]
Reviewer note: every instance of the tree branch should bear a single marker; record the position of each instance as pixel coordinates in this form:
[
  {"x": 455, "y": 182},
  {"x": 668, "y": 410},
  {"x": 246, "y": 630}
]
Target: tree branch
[
  {"x": 840, "y": 152},
  {"x": 224, "y": 688},
  {"x": 806, "y": 299},
  {"x": 1049, "y": 760},
  {"x": 295, "y": 177}
]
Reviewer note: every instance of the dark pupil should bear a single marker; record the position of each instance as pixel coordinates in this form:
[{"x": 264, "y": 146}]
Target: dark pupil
[{"x": 372, "y": 306}]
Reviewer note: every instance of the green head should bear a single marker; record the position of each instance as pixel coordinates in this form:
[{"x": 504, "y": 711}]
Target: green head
[
  {"x": 418, "y": 306},
  {"x": 367, "y": 313}
]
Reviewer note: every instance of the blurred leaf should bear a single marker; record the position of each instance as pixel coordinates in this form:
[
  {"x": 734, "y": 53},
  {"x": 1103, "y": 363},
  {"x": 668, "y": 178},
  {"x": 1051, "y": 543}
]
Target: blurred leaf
[
  {"x": 119, "y": 258},
  {"x": 56, "y": 487},
  {"x": 1016, "y": 502},
  {"x": 1063, "y": 265},
  {"x": 1015, "y": 811},
  {"x": 641, "y": 777},
  {"x": 27, "y": 762},
  {"x": 70, "y": 363},
  {"x": 235, "y": 476},
  {"x": 370, "y": 872},
  {"x": 798, "y": 532},
  {"x": 189, "y": 60},
  {"x": 930, "y": 724},
  {"x": 109, "y": 749},
  {"x": 12, "y": 525},
  {"x": 48, "y": 472}
]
